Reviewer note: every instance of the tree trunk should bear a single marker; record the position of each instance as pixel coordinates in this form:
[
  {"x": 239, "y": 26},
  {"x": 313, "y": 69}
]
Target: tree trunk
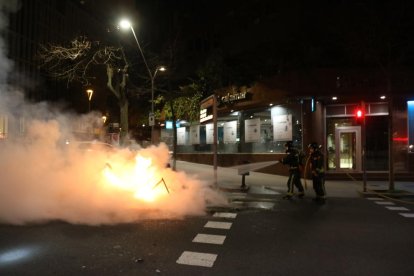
[{"x": 120, "y": 93}]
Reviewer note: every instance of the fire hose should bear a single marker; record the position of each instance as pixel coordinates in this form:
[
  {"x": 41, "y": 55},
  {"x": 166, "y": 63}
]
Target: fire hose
[{"x": 305, "y": 171}]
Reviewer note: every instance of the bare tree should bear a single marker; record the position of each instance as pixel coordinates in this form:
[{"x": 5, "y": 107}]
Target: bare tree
[{"x": 75, "y": 62}]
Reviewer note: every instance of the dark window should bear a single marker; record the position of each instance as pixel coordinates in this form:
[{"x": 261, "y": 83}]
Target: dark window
[{"x": 377, "y": 142}]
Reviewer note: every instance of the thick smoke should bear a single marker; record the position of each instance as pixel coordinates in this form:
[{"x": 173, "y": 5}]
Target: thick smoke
[
  {"x": 43, "y": 178},
  {"x": 6, "y": 7}
]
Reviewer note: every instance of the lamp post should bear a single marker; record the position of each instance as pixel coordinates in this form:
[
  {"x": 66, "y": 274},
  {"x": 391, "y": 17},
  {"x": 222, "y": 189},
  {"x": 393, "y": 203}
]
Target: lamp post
[
  {"x": 152, "y": 118},
  {"x": 125, "y": 24},
  {"x": 89, "y": 92}
]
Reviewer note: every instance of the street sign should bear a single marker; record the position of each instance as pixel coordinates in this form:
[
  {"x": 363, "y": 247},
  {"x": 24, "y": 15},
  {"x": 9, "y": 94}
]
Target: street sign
[{"x": 151, "y": 119}]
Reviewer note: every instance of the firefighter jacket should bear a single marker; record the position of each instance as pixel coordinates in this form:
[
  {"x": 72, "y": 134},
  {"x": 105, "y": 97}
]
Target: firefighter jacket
[
  {"x": 292, "y": 159},
  {"x": 316, "y": 163}
]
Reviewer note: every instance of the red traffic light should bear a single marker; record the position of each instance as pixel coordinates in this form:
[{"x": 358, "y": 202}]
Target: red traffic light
[{"x": 359, "y": 113}]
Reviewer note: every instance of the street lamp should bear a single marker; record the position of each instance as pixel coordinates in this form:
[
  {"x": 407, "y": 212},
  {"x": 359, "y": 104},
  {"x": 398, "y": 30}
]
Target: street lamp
[
  {"x": 126, "y": 24},
  {"x": 151, "y": 117},
  {"x": 89, "y": 92}
]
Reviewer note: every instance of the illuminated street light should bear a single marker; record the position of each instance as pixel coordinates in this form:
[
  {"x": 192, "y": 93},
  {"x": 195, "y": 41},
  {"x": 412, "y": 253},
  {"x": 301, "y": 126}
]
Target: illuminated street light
[
  {"x": 126, "y": 24},
  {"x": 89, "y": 92},
  {"x": 152, "y": 118}
]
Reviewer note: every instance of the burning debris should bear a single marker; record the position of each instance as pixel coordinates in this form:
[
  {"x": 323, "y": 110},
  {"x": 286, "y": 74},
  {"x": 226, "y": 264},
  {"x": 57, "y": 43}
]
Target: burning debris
[{"x": 142, "y": 179}]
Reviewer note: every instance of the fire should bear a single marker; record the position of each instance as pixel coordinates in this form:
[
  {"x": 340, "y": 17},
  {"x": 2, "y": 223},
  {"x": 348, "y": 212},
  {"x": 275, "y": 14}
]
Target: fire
[{"x": 142, "y": 179}]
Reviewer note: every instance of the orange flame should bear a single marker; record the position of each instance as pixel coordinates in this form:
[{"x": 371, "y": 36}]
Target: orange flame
[{"x": 141, "y": 179}]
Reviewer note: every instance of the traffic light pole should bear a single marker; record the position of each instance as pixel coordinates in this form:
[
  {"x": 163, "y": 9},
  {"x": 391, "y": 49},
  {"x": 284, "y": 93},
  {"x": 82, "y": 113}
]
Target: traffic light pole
[
  {"x": 391, "y": 186},
  {"x": 364, "y": 156},
  {"x": 364, "y": 149},
  {"x": 215, "y": 134}
]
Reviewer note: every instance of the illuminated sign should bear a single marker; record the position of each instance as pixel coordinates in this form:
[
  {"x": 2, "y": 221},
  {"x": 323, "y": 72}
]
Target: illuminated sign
[
  {"x": 313, "y": 106},
  {"x": 207, "y": 109},
  {"x": 410, "y": 115},
  {"x": 206, "y": 114},
  {"x": 169, "y": 124},
  {"x": 233, "y": 97}
]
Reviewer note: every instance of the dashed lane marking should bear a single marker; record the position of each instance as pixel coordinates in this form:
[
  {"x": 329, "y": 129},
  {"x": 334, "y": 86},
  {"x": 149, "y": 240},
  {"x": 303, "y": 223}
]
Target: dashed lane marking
[
  {"x": 384, "y": 202},
  {"x": 218, "y": 225},
  {"x": 407, "y": 215},
  {"x": 397, "y": 208},
  {"x": 197, "y": 259},
  {"x": 212, "y": 239},
  {"x": 224, "y": 215}
]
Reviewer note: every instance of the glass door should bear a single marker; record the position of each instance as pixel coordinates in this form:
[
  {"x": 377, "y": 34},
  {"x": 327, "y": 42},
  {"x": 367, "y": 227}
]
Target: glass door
[{"x": 348, "y": 148}]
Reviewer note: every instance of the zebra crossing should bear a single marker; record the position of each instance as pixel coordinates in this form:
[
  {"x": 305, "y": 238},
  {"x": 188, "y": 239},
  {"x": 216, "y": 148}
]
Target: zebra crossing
[
  {"x": 208, "y": 259},
  {"x": 391, "y": 206}
]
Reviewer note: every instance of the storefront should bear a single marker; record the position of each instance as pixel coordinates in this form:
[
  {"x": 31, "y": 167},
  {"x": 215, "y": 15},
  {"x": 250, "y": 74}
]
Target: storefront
[
  {"x": 251, "y": 127},
  {"x": 346, "y": 136},
  {"x": 254, "y": 128}
]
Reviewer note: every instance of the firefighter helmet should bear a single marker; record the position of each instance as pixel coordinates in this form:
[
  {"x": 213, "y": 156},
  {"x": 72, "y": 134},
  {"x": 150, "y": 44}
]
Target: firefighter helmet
[
  {"x": 289, "y": 144},
  {"x": 315, "y": 146}
]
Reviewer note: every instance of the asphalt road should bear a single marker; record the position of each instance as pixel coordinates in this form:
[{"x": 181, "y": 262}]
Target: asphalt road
[
  {"x": 346, "y": 236},
  {"x": 258, "y": 234}
]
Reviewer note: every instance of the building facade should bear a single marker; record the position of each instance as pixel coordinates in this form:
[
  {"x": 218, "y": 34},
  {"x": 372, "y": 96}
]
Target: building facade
[{"x": 253, "y": 123}]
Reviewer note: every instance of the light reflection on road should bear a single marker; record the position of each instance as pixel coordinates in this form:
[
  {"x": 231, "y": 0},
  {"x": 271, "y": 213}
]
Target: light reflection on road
[{"x": 17, "y": 254}]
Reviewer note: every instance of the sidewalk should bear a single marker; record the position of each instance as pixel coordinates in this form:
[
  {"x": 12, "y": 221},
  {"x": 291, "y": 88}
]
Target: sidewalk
[{"x": 262, "y": 183}]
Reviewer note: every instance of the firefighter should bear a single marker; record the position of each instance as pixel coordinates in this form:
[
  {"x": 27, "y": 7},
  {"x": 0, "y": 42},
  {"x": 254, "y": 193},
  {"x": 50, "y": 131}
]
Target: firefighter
[
  {"x": 293, "y": 160},
  {"x": 317, "y": 169}
]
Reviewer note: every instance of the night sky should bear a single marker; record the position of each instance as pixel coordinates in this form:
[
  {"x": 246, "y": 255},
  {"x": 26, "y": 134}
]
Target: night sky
[
  {"x": 267, "y": 37},
  {"x": 244, "y": 41},
  {"x": 240, "y": 42}
]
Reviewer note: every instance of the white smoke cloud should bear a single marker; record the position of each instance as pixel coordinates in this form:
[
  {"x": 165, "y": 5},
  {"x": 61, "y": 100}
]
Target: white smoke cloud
[{"x": 43, "y": 179}]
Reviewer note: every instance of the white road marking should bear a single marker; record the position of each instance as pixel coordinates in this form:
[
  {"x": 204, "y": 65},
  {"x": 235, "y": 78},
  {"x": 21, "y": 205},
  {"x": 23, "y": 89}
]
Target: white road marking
[
  {"x": 196, "y": 258},
  {"x": 407, "y": 215},
  {"x": 218, "y": 225},
  {"x": 207, "y": 259},
  {"x": 384, "y": 202},
  {"x": 224, "y": 215},
  {"x": 396, "y": 208},
  {"x": 374, "y": 198},
  {"x": 213, "y": 239}
]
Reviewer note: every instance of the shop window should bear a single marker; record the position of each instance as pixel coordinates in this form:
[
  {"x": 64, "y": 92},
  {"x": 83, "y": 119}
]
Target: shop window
[
  {"x": 377, "y": 143},
  {"x": 332, "y": 110},
  {"x": 378, "y": 108},
  {"x": 250, "y": 131}
]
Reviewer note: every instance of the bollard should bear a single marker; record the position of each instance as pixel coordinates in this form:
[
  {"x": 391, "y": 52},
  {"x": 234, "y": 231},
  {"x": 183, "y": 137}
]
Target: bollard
[{"x": 243, "y": 183}]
